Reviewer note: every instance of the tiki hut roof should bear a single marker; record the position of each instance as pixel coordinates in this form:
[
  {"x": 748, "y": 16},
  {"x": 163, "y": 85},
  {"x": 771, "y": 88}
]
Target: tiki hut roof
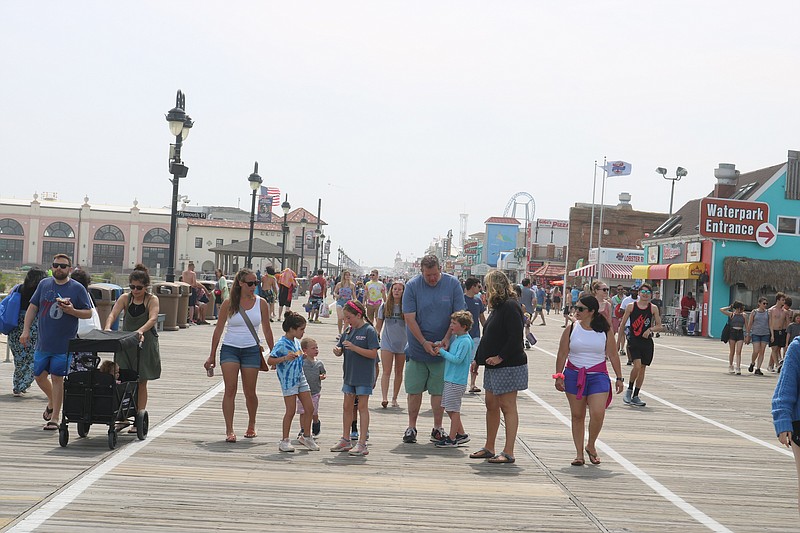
[{"x": 754, "y": 274}]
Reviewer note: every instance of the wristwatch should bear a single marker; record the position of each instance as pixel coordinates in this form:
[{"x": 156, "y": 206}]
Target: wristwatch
[{"x": 621, "y": 379}]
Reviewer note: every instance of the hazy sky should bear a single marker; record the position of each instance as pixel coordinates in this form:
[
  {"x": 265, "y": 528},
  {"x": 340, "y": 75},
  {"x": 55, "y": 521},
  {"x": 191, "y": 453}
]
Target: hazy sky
[{"x": 399, "y": 115}]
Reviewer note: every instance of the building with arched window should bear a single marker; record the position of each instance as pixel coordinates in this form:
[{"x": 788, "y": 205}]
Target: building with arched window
[{"x": 103, "y": 237}]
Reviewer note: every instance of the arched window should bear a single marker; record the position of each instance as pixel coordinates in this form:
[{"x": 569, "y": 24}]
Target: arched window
[
  {"x": 59, "y": 230},
  {"x": 9, "y": 226},
  {"x": 109, "y": 233},
  {"x": 157, "y": 236}
]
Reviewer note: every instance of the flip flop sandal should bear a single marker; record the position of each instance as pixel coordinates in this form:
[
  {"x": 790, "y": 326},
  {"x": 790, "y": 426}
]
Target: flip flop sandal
[
  {"x": 593, "y": 458},
  {"x": 578, "y": 462},
  {"x": 231, "y": 438},
  {"x": 384, "y": 404},
  {"x": 250, "y": 434},
  {"x": 502, "y": 458},
  {"x": 50, "y": 426},
  {"x": 47, "y": 414},
  {"x": 483, "y": 453}
]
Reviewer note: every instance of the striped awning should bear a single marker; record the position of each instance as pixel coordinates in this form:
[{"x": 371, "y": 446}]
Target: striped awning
[
  {"x": 613, "y": 271},
  {"x": 549, "y": 271},
  {"x": 584, "y": 272}
]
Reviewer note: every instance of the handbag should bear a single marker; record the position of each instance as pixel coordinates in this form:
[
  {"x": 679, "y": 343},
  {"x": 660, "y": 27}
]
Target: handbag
[
  {"x": 9, "y": 310},
  {"x": 85, "y": 325},
  {"x": 725, "y": 336},
  {"x": 324, "y": 310},
  {"x": 264, "y": 366}
]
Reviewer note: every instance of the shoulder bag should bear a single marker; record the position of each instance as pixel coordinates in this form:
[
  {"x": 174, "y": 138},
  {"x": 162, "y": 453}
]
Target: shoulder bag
[
  {"x": 9, "y": 310},
  {"x": 85, "y": 325},
  {"x": 264, "y": 366}
]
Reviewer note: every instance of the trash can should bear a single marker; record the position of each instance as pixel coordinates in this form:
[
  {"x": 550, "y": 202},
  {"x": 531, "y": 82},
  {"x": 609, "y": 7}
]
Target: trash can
[
  {"x": 184, "y": 290},
  {"x": 104, "y": 296},
  {"x": 168, "y": 303},
  {"x": 210, "y": 307}
]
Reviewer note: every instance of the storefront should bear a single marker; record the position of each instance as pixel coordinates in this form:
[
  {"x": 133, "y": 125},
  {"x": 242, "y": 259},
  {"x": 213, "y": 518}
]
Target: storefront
[
  {"x": 737, "y": 245},
  {"x": 611, "y": 265}
]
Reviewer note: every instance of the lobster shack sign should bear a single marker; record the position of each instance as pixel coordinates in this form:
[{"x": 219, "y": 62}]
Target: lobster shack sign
[{"x": 722, "y": 218}]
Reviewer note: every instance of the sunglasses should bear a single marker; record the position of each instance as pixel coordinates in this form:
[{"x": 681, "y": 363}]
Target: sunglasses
[
  {"x": 644, "y": 292},
  {"x": 250, "y": 283},
  {"x": 581, "y": 308},
  {"x": 136, "y": 287},
  {"x": 61, "y": 265},
  {"x": 604, "y": 289}
]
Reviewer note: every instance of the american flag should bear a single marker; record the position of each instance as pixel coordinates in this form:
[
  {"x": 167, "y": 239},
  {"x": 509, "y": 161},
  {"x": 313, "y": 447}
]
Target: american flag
[{"x": 274, "y": 192}]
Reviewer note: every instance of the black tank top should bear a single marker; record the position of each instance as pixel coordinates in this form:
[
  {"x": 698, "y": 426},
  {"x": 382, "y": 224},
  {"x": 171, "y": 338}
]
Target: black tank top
[{"x": 641, "y": 319}]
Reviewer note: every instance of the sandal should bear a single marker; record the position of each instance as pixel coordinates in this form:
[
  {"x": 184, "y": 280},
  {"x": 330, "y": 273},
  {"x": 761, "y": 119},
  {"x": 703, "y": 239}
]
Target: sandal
[
  {"x": 50, "y": 426},
  {"x": 250, "y": 433},
  {"x": 231, "y": 438},
  {"x": 47, "y": 414},
  {"x": 395, "y": 404},
  {"x": 593, "y": 457},
  {"x": 132, "y": 429},
  {"x": 384, "y": 403},
  {"x": 502, "y": 458},
  {"x": 578, "y": 462},
  {"x": 483, "y": 453}
]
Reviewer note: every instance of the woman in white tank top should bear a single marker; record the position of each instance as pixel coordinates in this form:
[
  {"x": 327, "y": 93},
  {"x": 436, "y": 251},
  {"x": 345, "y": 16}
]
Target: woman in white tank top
[
  {"x": 581, "y": 372},
  {"x": 241, "y": 350}
]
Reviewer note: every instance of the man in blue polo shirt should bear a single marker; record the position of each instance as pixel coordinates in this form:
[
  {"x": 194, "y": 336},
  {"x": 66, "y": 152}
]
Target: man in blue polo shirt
[
  {"x": 59, "y": 302},
  {"x": 472, "y": 286},
  {"x": 428, "y": 301}
]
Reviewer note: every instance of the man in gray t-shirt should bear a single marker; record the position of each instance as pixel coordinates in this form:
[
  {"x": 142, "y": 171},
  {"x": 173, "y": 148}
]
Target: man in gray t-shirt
[{"x": 428, "y": 301}]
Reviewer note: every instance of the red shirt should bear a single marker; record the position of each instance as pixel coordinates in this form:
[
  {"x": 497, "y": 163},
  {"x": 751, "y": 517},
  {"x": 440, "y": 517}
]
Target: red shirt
[
  {"x": 321, "y": 281},
  {"x": 687, "y": 303}
]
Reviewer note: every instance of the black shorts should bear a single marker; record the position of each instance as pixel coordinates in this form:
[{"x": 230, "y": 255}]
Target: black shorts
[
  {"x": 192, "y": 299},
  {"x": 779, "y": 338},
  {"x": 736, "y": 335},
  {"x": 284, "y": 296},
  {"x": 640, "y": 348}
]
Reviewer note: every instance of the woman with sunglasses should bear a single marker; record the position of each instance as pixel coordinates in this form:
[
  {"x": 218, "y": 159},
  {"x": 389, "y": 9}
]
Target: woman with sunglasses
[
  {"x": 240, "y": 317},
  {"x": 141, "y": 315},
  {"x": 600, "y": 291},
  {"x": 758, "y": 333},
  {"x": 645, "y": 320},
  {"x": 582, "y": 374}
]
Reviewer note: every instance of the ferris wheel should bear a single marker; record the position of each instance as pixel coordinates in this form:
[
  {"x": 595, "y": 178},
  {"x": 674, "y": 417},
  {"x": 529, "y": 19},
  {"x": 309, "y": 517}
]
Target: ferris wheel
[{"x": 525, "y": 202}]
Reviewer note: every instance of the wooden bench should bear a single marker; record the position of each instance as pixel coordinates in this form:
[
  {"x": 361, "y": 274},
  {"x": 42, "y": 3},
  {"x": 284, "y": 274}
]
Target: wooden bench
[{"x": 160, "y": 321}]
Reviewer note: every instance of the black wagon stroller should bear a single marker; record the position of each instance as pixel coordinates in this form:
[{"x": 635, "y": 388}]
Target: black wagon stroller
[{"x": 94, "y": 397}]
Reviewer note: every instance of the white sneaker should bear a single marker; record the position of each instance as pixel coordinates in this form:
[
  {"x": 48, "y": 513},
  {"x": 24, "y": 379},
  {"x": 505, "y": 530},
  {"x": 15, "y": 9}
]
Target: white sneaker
[
  {"x": 309, "y": 443},
  {"x": 731, "y": 370},
  {"x": 359, "y": 449},
  {"x": 285, "y": 446}
]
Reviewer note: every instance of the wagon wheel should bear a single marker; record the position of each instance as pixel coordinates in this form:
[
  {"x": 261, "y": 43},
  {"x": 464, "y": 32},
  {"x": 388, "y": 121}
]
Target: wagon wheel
[
  {"x": 63, "y": 434},
  {"x": 142, "y": 424},
  {"x": 112, "y": 438},
  {"x": 83, "y": 429}
]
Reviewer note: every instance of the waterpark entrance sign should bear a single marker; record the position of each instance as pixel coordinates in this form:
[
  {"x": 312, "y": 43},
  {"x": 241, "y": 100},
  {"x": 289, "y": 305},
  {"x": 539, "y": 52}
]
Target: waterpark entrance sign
[{"x": 722, "y": 218}]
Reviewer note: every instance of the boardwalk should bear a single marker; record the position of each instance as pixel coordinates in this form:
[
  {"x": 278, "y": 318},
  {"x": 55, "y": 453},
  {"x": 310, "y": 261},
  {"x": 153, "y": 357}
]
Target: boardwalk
[{"x": 701, "y": 456}]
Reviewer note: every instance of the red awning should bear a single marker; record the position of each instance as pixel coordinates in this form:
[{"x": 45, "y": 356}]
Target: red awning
[
  {"x": 659, "y": 271},
  {"x": 584, "y": 272},
  {"x": 617, "y": 271},
  {"x": 549, "y": 271}
]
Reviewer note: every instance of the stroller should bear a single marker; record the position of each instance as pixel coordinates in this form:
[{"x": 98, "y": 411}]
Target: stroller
[{"x": 94, "y": 397}]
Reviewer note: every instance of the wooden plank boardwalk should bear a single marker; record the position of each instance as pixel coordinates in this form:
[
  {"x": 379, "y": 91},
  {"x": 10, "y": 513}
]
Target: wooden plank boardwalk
[{"x": 676, "y": 465}]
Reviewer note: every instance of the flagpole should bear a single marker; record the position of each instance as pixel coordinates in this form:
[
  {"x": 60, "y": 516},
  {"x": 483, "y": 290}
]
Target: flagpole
[
  {"x": 602, "y": 206},
  {"x": 594, "y": 188}
]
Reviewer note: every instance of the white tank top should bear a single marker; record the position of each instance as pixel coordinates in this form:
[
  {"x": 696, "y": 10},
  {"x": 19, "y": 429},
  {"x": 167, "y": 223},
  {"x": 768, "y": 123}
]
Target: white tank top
[
  {"x": 237, "y": 334},
  {"x": 586, "y": 348}
]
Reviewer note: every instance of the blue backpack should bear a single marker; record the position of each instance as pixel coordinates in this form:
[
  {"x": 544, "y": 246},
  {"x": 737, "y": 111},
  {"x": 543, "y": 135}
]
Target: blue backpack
[{"x": 9, "y": 310}]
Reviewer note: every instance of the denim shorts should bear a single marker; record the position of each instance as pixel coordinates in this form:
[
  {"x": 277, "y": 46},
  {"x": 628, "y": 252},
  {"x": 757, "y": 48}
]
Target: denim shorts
[
  {"x": 302, "y": 386},
  {"x": 249, "y": 357},
  {"x": 760, "y": 338},
  {"x": 360, "y": 390},
  {"x": 56, "y": 364},
  {"x": 596, "y": 382}
]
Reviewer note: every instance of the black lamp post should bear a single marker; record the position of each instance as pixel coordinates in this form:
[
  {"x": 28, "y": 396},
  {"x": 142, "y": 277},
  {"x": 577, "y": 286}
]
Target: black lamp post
[
  {"x": 179, "y": 125},
  {"x": 318, "y": 251},
  {"x": 339, "y": 262},
  {"x": 303, "y": 223},
  {"x": 285, "y": 206},
  {"x": 680, "y": 172},
  {"x": 327, "y": 254},
  {"x": 255, "y": 183}
]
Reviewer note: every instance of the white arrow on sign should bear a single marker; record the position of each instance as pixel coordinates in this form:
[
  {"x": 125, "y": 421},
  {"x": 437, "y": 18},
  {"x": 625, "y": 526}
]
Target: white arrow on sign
[{"x": 766, "y": 235}]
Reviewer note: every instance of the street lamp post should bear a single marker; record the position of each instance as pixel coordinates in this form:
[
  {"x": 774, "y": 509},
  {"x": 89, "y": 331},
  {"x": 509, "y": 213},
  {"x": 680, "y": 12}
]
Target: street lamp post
[
  {"x": 320, "y": 242},
  {"x": 316, "y": 236},
  {"x": 679, "y": 173},
  {"x": 339, "y": 262},
  {"x": 327, "y": 254},
  {"x": 255, "y": 183},
  {"x": 179, "y": 125},
  {"x": 303, "y": 223},
  {"x": 285, "y": 206}
]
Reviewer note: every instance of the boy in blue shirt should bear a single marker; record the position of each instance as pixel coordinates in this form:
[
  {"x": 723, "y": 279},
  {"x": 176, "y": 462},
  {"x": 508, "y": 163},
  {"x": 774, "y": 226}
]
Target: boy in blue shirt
[{"x": 456, "y": 371}]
